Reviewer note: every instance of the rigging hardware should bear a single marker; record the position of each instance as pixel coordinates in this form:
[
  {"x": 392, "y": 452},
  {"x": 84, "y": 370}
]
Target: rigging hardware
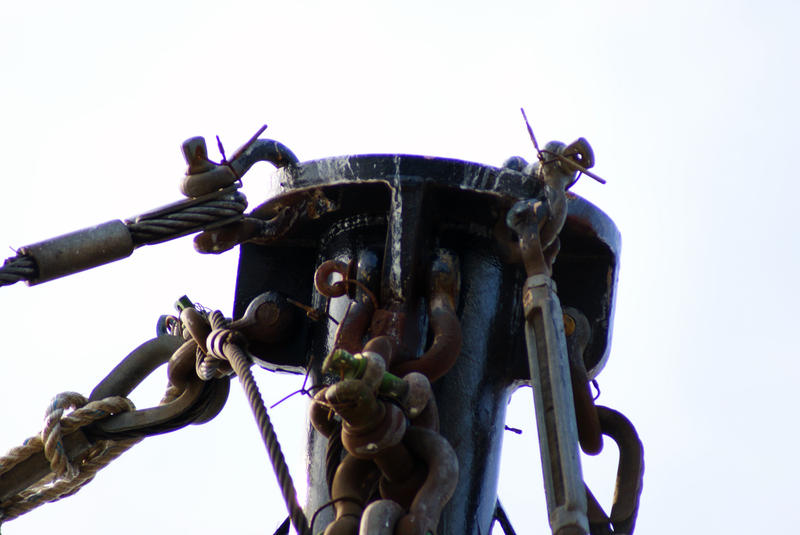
[{"x": 430, "y": 308}]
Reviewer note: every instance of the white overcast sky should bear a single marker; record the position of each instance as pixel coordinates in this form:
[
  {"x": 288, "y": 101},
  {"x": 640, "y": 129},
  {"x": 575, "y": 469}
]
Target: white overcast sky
[{"x": 691, "y": 108}]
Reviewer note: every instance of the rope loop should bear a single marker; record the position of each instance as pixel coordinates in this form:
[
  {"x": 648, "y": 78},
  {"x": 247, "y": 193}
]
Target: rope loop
[
  {"x": 67, "y": 476},
  {"x": 215, "y": 344}
]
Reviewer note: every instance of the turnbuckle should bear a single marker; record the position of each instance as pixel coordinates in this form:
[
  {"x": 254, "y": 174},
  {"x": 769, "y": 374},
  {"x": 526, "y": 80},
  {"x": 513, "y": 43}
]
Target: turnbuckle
[
  {"x": 550, "y": 372},
  {"x": 565, "y": 410}
]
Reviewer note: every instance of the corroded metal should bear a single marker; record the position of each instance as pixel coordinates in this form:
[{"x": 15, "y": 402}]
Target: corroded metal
[
  {"x": 395, "y": 282},
  {"x": 577, "y": 333},
  {"x": 630, "y": 473},
  {"x": 418, "y": 468},
  {"x": 387, "y": 217}
]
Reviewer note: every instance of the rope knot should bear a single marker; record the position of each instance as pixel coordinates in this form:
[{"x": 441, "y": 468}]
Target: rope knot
[{"x": 56, "y": 425}]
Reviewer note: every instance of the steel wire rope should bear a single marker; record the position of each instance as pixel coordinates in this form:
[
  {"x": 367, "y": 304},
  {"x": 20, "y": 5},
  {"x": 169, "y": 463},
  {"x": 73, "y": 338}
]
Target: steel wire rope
[
  {"x": 241, "y": 363},
  {"x": 151, "y": 230},
  {"x": 17, "y": 268},
  {"x": 148, "y": 229},
  {"x": 333, "y": 455}
]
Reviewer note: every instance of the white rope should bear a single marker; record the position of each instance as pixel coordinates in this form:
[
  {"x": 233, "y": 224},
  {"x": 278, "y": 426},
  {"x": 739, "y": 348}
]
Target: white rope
[{"x": 66, "y": 477}]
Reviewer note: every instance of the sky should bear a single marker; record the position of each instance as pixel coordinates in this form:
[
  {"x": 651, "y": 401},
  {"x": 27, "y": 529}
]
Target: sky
[{"x": 690, "y": 108}]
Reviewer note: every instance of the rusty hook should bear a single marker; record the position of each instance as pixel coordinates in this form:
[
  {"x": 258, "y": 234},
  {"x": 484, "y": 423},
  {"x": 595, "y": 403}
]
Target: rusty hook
[
  {"x": 324, "y": 286},
  {"x": 578, "y": 332},
  {"x": 440, "y": 482},
  {"x": 630, "y": 474},
  {"x": 322, "y": 278},
  {"x": 446, "y": 346}
]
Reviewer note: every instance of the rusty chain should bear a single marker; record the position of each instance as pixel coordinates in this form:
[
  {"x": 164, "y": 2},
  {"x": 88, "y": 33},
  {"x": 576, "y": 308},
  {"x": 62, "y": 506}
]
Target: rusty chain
[{"x": 216, "y": 347}]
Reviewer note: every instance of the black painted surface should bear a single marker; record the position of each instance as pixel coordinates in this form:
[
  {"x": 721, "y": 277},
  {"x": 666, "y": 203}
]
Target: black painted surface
[{"x": 397, "y": 210}]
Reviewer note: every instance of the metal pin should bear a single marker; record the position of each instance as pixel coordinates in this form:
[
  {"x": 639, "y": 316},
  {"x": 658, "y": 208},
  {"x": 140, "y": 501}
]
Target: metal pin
[
  {"x": 530, "y": 132},
  {"x": 221, "y": 149},
  {"x": 249, "y": 142}
]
